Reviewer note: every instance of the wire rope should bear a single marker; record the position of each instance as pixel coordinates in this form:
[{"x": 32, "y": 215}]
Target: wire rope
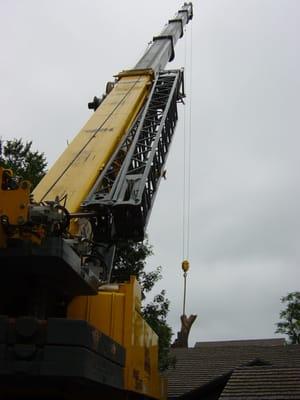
[
  {"x": 187, "y": 155},
  {"x": 189, "y": 168},
  {"x": 184, "y": 164},
  {"x": 187, "y": 165}
]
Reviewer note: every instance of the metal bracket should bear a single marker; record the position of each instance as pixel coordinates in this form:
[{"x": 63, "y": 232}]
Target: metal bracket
[
  {"x": 187, "y": 14},
  {"x": 169, "y": 37},
  {"x": 125, "y": 191},
  {"x": 181, "y": 23}
]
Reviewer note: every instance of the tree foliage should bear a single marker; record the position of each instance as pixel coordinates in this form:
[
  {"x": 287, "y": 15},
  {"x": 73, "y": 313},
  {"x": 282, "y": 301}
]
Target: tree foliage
[
  {"x": 19, "y": 157},
  {"x": 155, "y": 313},
  {"x": 130, "y": 259},
  {"x": 290, "y": 318}
]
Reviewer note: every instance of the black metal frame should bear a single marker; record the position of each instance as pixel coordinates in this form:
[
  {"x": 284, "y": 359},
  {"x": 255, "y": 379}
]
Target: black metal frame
[
  {"x": 58, "y": 358},
  {"x": 126, "y": 189},
  {"x": 170, "y": 38},
  {"x": 106, "y": 180}
]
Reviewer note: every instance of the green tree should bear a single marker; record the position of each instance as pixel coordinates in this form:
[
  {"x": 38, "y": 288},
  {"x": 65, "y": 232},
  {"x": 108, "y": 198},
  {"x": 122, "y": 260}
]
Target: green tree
[
  {"x": 155, "y": 313},
  {"x": 290, "y": 318},
  {"x": 131, "y": 259},
  {"x": 26, "y": 163}
]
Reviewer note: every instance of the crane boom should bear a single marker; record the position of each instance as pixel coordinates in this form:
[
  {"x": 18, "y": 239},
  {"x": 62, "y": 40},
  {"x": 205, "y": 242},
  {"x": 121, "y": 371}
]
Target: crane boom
[
  {"x": 161, "y": 50},
  {"x": 75, "y": 172},
  {"x": 77, "y": 169},
  {"x": 125, "y": 195},
  {"x": 66, "y": 332}
]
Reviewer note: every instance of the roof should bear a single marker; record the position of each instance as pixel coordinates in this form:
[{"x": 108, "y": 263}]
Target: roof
[
  {"x": 263, "y": 382},
  {"x": 199, "y": 366},
  {"x": 251, "y": 342}
]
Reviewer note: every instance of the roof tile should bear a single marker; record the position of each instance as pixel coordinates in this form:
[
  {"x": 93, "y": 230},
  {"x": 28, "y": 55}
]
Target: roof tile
[
  {"x": 199, "y": 365},
  {"x": 263, "y": 383}
]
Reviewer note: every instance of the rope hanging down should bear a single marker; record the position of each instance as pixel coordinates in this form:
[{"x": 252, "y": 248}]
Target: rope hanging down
[
  {"x": 186, "y": 322},
  {"x": 187, "y": 153}
]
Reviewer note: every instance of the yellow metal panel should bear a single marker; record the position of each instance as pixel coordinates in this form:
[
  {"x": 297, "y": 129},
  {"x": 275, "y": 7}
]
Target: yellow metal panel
[
  {"x": 117, "y": 314},
  {"x": 75, "y": 172},
  {"x": 14, "y": 203},
  {"x": 3, "y": 238},
  {"x": 117, "y": 328},
  {"x": 100, "y": 312},
  {"x": 104, "y": 311},
  {"x": 153, "y": 349},
  {"x": 136, "y": 367},
  {"x": 78, "y": 308},
  {"x": 129, "y": 290}
]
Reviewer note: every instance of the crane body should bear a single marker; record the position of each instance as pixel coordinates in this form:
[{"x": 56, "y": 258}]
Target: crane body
[{"x": 66, "y": 330}]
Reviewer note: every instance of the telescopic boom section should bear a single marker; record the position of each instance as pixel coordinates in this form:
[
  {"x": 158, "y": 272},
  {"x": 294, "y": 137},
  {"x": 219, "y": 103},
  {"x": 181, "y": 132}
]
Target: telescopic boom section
[
  {"x": 161, "y": 50},
  {"x": 102, "y": 188},
  {"x": 125, "y": 191},
  {"x": 74, "y": 174}
]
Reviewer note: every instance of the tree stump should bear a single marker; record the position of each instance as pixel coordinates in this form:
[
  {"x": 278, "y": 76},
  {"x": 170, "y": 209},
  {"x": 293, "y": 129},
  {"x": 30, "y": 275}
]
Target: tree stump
[{"x": 183, "y": 334}]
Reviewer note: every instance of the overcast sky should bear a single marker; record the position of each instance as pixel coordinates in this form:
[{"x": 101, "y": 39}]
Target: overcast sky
[{"x": 244, "y": 99}]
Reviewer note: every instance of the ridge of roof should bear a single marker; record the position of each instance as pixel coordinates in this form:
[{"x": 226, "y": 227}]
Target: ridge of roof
[{"x": 243, "y": 342}]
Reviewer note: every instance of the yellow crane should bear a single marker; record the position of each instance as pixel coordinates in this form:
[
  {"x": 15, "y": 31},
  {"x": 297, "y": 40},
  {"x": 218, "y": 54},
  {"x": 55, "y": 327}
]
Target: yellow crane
[{"x": 66, "y": 330}]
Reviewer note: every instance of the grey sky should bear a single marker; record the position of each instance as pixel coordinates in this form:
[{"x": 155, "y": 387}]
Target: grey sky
[{"x": 244, "y": 254}]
